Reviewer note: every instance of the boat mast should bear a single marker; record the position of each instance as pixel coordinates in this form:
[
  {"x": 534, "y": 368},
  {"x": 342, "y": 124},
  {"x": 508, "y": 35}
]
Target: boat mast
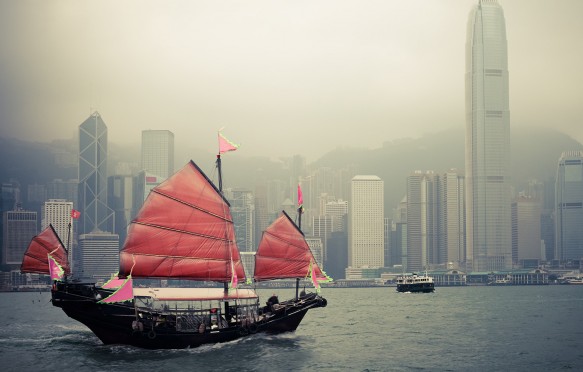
[
  {"x": 300, "y": 208},
  {"x": 220, "y": 176}
]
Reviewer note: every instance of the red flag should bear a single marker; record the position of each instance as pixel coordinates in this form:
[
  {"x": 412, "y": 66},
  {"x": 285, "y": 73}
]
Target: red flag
[
  {"x": 226, "y": 145},
  {"x": 75, "y": 214}
]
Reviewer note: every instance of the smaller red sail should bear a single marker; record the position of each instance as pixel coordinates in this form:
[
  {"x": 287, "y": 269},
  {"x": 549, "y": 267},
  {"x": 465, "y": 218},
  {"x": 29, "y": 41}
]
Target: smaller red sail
[
  {"x": 283, "y": 253},
  {"x": 36, "y": 256}
]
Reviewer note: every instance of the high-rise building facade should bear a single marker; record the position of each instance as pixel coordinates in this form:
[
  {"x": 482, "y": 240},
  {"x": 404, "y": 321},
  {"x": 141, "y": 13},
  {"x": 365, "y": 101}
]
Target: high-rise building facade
[
  {"x": 57, "y": 212},
  {"x": 366, "y": 216},
  {"x": 158, "y": 152},
  {"x": 243, "y": 212},
  {"x": 120, "y": 196},
  {"x": 99, "y": 255},
  {"x": 19, "y": 227},
  {"x": 569, "y": 207},
  {"x": 454, "y": 219},
  {"x": 337, "y": 211},
  {"x": 95, "y": 214},
  {"x": 64, "y": 189},
  {"x": 488, "y": 192},
  {"x": 423, "y": 220},
  {"x": 527, "y": 244}
]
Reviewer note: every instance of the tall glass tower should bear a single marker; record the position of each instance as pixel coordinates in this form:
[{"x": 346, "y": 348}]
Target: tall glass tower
[
  {"x": 569, "y": 207},
  {"x": 95, "y": 214},
  {"x": 488, "y": 196}
]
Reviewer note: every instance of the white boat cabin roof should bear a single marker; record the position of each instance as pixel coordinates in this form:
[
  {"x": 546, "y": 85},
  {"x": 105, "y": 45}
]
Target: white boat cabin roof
[{"x": 191, "y": 294}]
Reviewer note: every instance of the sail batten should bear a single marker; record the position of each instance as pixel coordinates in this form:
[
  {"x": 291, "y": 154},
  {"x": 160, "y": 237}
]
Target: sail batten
[
  {"x": 191, "y": 205},
  {"x": 184, "y": 230}
]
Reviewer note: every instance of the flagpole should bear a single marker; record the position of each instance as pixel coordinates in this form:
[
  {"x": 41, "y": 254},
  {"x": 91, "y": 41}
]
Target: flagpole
[{"x": 300, "y": 206}]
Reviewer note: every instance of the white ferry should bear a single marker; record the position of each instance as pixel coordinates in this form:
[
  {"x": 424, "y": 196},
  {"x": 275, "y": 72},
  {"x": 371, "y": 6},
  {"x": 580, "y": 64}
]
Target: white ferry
[{"x": 415, "y": 283}]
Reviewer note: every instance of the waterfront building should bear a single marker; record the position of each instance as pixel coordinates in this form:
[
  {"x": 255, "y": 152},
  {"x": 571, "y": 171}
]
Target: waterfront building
[
  {"x": 158, "y": 152},
  {"x": 488, "y": 192},
  {"x": 366, "y": 216},
  {"x": 569, "y": 207}
]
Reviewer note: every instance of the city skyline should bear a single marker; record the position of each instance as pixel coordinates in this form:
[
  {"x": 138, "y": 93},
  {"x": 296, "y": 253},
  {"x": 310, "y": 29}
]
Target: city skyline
[
  {"x": 284, "y": 72},
  {"x": 487, "y": 103}
]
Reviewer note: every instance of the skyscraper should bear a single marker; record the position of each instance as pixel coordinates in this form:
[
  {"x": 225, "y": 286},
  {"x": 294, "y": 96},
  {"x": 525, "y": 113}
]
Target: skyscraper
[
  {"x": 569, "y": 207},
  {"x": 243, "y": 212},
  {"x": 423, "y": 218},
  {"x": 57, "y": 212},
  {"x": 158, "y": 152},
  {"x": 95, "y": 214},
  {"x": 454, "y": 218},
  {"x": 488, "y": 194},
  {"x": 527, "y": 243},
  {"x": 19, "y": 228},
  {"x": 366, "y": 237},
  {"x": 99, "y": 255}
]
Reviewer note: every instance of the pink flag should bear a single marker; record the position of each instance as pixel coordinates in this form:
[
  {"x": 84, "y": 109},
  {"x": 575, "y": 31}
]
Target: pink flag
[
  {"x": 124, "y": 293},
  {"x": 226, "y": 145},
  {"x": 234, "y": 278},
  {"x": 75, "y": 214},
  {"x": 55, "y": 270},
  {"x": 113, "y": 283},
  {"x": 314, "y": 279},
  {"x": 300, "y": 196}
]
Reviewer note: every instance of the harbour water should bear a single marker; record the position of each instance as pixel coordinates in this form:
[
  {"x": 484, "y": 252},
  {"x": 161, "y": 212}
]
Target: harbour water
[{"x": 514, "y": 328}]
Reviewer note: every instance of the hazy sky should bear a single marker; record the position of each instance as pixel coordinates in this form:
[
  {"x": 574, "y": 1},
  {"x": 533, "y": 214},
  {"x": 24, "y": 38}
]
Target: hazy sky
[{"x": 281, "y": 76}]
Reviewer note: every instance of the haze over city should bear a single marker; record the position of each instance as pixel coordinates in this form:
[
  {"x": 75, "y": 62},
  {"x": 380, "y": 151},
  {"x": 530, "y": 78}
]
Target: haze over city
[{"x": 283, "y": 78}]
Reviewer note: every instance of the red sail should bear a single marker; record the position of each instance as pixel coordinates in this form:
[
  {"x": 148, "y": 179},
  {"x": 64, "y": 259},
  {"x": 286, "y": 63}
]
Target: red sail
[
  {"x": 283, "y": 253},
  {"x": 183, "y": 231},
  {"x": 36, "y": 256}
]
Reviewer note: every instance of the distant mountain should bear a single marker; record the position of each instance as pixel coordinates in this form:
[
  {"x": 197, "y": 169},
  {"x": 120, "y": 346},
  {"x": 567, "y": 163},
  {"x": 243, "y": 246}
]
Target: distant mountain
[{"x": 535, "y": 153}]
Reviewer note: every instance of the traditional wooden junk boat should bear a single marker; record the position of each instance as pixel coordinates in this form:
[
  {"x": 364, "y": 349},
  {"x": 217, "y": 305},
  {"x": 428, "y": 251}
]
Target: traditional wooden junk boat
[
  {"x": 415, "y": 283},
  {"x": 183, "y": 231}
]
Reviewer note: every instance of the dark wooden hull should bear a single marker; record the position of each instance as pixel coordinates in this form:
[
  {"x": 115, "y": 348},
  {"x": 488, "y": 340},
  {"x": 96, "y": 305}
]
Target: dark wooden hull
[{"x": 114, "y": 323}]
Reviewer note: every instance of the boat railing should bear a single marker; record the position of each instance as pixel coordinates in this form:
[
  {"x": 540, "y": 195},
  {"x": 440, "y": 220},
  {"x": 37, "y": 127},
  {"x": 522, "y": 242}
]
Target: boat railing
[{"x": 209, "y": 316}]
